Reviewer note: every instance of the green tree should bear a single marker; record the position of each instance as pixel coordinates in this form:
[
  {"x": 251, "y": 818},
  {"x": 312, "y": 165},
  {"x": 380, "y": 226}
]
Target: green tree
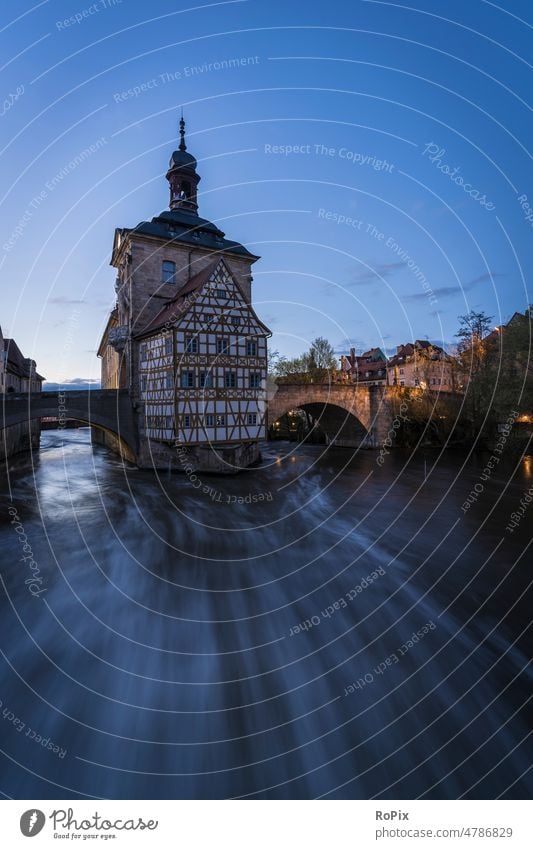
[{"x": 322, "y": 354}]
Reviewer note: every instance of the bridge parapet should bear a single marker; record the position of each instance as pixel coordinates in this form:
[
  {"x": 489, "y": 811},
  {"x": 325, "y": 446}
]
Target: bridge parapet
[{"x": 109, "y": 410}]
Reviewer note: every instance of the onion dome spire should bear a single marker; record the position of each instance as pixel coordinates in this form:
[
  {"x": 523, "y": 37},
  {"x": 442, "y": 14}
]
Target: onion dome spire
[
  {"x": 182, "y": 176},
  {"x": 183, "y": 146}
]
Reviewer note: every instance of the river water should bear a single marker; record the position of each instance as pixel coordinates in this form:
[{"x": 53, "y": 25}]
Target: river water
[{"x": 169, "y": 636}]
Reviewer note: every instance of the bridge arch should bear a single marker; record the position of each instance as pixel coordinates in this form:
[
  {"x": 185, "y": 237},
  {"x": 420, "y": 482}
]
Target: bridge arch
[
  {"x": 340, "y": 426},
  {"x": 349, "y": 415},
  {"x": 107, "y": 411}
]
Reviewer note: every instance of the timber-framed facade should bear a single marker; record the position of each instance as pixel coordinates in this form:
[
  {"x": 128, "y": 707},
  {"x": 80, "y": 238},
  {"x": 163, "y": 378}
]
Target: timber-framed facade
[{"x": 184, "y": 337}]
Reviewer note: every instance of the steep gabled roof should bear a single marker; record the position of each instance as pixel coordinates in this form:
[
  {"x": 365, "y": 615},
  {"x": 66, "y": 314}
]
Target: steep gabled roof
[{"x": 185, "y": 298}]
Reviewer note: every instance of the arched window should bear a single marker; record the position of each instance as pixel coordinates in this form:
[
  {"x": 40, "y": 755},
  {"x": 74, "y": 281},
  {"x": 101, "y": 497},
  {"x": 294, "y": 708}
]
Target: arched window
[
  {"x": 186, "y": 188},
  {"x": 168, "y": 271}
]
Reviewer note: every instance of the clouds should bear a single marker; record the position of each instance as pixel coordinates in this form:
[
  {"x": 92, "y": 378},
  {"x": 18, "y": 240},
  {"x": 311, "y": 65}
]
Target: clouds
[
  {"x": 62, "y": 300},
  {"x": 379, "y": 272},
  {"x": 450, "y": 291}
]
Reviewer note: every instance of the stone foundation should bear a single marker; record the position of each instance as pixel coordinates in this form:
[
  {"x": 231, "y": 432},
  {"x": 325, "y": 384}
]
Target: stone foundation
[
  {"x": 19, "y": 438},
  {"x": 221, "y": 458},
  {"x": 111, "y": 441}
]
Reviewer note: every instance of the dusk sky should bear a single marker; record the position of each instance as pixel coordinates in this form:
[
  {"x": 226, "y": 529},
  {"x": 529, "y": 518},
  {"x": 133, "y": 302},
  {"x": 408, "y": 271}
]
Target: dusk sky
[{"x": 374, "y": 154}]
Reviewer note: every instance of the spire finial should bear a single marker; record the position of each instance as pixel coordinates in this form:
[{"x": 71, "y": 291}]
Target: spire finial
[{"x": 183, "y": 146}]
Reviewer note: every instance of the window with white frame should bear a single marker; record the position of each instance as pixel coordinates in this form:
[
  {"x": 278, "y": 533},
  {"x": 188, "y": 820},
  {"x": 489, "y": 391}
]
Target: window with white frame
[
  {"x": 187, "y": 379},
  {"x": 168, "y": 271},
  {"x": 255, "y": 380}
]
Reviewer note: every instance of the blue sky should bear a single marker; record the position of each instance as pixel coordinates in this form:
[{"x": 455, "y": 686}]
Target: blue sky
[{"x": 368, "y": 151}]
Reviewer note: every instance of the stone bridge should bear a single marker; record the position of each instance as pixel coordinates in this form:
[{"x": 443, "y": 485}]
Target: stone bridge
[
  {"x": 110, "y": 411},
  {"x": 349, "y": 415}
]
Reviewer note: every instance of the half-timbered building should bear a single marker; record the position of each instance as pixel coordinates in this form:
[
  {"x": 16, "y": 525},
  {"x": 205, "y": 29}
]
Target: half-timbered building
[{"x": 184, "y": 338}]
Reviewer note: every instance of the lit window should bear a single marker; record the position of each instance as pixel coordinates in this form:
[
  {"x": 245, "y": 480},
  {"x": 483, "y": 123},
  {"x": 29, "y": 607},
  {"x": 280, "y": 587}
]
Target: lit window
[
  {"x": 222, "y": 346},
  {"x": 230, "y": 380},
  {"x": 168, "y": 271},
  {"x": 255, "y": 380},
  {"x": 251, "y": 348},
  {"x": 191, "y": 345},
  {"x": 187, "y": 379}
]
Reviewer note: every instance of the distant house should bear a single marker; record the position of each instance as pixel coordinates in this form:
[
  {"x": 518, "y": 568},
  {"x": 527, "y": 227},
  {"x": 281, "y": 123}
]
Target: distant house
[
  {"x": 369, "y": 368},
  {"x": 421, "y": 364},
  {"x": 18, "y": 374}
]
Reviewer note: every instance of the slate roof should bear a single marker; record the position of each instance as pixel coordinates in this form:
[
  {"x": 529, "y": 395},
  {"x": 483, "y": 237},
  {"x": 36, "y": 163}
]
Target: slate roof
[{"x": 179, "y": 225}]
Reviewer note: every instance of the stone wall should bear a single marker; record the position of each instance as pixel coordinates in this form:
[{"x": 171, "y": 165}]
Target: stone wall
[{"x": 18, "y": 439}]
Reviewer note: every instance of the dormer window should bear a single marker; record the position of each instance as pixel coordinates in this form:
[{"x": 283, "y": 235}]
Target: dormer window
[{"x": 168, "y": 271}]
